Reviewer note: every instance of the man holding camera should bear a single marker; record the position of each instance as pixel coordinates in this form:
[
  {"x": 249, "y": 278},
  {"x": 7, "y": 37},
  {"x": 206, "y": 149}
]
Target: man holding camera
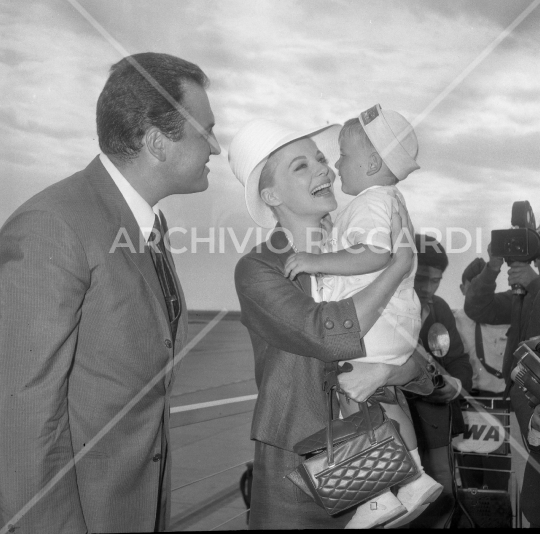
[
  {"x": 483, "y": 305},
  {"x": 484, "y": 343}
]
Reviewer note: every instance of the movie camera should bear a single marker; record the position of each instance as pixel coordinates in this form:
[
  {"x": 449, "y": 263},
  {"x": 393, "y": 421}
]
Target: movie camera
[
  {"x": 519, "y": 243},
  {"x": 526, "y": 374}
]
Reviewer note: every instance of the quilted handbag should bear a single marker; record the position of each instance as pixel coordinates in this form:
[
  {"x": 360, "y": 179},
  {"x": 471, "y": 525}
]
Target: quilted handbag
[{"x": 353, "y": 459}]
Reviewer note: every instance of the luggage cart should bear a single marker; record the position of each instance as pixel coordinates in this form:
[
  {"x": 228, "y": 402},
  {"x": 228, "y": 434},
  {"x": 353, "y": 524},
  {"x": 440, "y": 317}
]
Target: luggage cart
[{"x": 487, "y": 489}]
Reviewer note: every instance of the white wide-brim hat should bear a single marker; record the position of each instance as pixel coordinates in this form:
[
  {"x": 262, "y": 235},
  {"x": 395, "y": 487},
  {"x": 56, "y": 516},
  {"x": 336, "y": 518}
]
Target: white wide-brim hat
[
  {"x": 253, "y": 144},
  {"x": 394, "y": 139}
]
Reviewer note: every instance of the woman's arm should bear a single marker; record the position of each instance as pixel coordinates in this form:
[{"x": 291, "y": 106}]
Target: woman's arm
[
  {"x": 365, "y": 378},
  {"x": 277, "y": 309}
]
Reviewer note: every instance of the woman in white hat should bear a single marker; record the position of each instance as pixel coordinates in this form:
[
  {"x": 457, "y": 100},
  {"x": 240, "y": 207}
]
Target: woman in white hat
[{"x": 295, "y": 337}]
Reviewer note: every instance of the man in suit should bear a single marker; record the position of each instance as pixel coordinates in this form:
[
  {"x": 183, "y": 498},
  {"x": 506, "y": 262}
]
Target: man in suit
[{"x": 92, "y": 315}]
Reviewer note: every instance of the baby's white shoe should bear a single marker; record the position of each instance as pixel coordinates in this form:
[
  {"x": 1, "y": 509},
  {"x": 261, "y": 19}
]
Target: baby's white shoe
[
  {"x": 381, "y": 509},
  {"x": 416, "y": 496}
]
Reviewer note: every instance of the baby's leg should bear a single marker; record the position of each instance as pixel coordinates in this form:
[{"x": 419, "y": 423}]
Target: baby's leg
[
  {"x": 404, "y": 424},
  {"x": 414, "y": 495},
  {"x": 385, "y": 507}
]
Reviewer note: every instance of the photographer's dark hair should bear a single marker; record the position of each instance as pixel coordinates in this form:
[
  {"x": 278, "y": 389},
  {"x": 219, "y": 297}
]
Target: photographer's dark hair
[
  {"x": 430, "y": 252},
  {"x": 129, "y": 104}
]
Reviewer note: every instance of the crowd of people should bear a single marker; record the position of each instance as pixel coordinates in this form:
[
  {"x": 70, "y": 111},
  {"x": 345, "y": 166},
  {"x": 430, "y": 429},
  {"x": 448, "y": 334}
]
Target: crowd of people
[{"x": 90, "y": 344}]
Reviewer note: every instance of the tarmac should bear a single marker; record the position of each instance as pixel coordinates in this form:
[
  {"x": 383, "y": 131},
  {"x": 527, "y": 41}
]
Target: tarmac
[{"x": 210, "y": 440}]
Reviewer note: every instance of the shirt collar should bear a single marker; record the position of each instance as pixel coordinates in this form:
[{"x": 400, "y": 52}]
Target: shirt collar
[{"x": 142, "y": 211}]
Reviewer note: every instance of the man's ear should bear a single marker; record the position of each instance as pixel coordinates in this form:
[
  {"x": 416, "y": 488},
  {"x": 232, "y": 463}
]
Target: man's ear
[
  {"x": 374, "y": 164},
  {"x": 156, "y": 143},
  {"x": 270, "y": 197}
]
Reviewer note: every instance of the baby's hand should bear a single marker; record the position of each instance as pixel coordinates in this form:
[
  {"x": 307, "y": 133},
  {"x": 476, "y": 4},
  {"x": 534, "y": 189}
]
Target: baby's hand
[{"x": 301, "y": 262}]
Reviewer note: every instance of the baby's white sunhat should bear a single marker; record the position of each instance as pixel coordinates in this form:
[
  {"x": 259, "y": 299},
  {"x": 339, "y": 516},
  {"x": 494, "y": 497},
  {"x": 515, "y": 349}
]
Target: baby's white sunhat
[
  {"x": 253, "y": 144},
  {"x": 394, "y": 139}
]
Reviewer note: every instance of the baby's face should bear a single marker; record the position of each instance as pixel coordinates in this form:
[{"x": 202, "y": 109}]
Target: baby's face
[{"x": 352, "y": 164}]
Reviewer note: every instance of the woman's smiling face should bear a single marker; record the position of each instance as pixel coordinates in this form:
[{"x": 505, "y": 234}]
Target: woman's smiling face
[{"x": 303, "y": 180}]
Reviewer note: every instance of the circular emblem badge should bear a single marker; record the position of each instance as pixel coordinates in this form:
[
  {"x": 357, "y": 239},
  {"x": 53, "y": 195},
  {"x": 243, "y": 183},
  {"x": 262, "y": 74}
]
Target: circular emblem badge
[{"x": 438, "y": 340}]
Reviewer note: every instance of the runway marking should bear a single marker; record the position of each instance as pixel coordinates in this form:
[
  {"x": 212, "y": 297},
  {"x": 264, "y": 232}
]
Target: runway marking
[{"x": 201, "y": 405}]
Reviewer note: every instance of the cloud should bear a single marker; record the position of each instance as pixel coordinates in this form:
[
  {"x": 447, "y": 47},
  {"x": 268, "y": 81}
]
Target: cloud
[
  {"x": 499, "y": 12},
  {"x": 303, "y": 63}
]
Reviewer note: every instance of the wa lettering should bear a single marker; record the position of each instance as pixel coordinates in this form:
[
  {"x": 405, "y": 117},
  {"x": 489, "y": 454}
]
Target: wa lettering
[{"x": 476, "y": 431}]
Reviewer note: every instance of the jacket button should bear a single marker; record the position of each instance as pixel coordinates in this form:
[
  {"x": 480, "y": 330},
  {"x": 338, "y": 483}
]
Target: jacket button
[
  {"x": 348, "y": 324},
  {"x": 157, "y": 457},
  {"x": 329, "y": 324},
  {"x": 168, "y": 343}
]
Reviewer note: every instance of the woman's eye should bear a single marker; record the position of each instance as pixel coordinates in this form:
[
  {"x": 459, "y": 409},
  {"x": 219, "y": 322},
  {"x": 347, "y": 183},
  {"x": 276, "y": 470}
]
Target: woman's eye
[
  {"x": 323, "y": 160},
  {"x": 301, "y": 166}
]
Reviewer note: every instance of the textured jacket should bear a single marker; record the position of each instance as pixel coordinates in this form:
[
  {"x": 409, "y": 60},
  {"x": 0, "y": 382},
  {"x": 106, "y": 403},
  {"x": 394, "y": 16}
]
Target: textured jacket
[
  {"x": 293, "y": 339},
  {"x": 83, "y": 331}
]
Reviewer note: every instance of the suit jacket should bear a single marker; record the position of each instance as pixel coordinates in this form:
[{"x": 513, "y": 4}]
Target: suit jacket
[
  {"x": 83, "y": 330},
  {"x": 295, "y": 339}
]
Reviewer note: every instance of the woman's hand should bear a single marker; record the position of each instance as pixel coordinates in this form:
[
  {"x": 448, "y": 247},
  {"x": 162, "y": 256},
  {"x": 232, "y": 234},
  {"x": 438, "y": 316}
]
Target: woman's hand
[
  {"x": 364, "y": 379},
  {"x": 402, "y": 245}
]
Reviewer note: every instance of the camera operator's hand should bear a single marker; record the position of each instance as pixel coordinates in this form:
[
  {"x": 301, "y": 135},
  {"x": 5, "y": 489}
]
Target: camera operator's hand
[
  {"x": 494, "y": 262},
  {"x": 445, "y": 394},
  {"x": 521, "y": 273},
  {"x": 535, "y": 419}
]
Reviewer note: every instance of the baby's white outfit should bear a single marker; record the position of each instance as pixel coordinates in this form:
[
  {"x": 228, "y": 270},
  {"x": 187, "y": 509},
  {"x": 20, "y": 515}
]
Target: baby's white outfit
[{"x": 367, "y": 220}]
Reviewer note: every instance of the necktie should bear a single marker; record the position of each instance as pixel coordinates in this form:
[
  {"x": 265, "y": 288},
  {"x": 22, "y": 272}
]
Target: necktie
[{"x": 165, "y": 274}]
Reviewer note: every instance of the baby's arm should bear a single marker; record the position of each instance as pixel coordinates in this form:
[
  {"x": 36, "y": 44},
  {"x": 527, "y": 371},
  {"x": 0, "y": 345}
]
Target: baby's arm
[{"x": 358, "y": 259}]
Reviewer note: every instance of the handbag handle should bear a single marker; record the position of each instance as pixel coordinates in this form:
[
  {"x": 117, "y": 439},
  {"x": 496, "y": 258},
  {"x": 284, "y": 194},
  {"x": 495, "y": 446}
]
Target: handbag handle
[
  {"x": 330, "y": 431},
  {"x": 367, "y": 419}
]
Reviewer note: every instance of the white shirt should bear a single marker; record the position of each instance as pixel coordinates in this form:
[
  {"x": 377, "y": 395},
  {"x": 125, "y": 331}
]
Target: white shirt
[
  {"x": 494, "y": 340},
  {"x": 367, "y": 220},
  {"x": 142, "y": 211}
]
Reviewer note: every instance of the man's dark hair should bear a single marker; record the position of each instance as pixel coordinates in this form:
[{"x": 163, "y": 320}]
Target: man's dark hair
[
  {"x": 129, "y": 104},
  {"x": 430, "y": 252}
]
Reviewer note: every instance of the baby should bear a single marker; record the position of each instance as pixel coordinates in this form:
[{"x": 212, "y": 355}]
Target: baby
[{"x": 377, "y": 150}]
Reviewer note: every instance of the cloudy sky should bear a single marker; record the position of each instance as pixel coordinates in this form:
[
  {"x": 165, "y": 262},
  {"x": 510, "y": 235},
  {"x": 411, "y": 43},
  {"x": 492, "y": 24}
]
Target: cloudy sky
[{"x": 304, "y": 63}]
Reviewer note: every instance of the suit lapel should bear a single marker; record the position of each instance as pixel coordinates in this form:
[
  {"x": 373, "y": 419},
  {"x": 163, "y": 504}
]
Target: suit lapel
[
  {"x": 124, "y": 228},
  {"x": 142, "y": 257}
]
